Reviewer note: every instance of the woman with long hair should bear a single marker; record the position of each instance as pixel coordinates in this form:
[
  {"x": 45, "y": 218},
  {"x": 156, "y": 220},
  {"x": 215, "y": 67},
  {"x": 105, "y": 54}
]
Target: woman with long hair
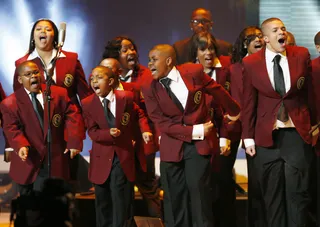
[
  {"x": 67, "y": 72},
  {"x": 250, "y": 41}
]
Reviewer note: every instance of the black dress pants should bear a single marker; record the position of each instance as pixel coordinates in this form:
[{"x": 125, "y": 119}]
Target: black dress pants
[
  {"x": 187, "y": 190},
  {"x": 283, "y": 176}
]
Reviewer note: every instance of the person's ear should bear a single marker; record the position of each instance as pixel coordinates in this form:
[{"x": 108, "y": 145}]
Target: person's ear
[
  {"x": 169, "y": 61},
  {"x": 20, "y": 79},
  {"x": 111, "y": 82}
]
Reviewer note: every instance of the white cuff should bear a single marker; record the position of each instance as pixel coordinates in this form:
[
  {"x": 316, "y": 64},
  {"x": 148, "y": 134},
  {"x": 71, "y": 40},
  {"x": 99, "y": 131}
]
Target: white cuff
[
  {"x": 198, "y": 132},
  {"x": 248, "y": 142},
  {"x": 224, "y": 142},
  {"x": 9, "y": 149}
]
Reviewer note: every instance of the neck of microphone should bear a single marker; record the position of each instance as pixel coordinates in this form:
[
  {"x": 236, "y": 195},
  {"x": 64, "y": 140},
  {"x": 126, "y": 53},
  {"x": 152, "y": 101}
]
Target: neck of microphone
[{"x": 62, "y": 34}]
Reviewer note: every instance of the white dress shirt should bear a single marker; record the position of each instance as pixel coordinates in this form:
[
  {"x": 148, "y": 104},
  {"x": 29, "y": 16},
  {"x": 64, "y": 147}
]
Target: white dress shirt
[
  {"x": 39, "y": 97},
  {"x": 35, "y": 54},
  {"x": 180, "y": 90},
  {"x": 112, "y": 104},
  {"x": 129, "y": 74},
  {"x": 287, "y": 81}
]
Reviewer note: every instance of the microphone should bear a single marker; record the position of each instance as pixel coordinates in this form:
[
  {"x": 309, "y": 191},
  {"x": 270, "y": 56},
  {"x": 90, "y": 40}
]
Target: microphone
[{"x": 62, "y": 34}]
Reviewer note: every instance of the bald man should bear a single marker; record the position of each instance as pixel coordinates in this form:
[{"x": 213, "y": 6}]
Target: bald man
[
  {"x": 201, "y": 21},
  {"x": 146, "y": 179},
  {"x": 175, "y": 102}
]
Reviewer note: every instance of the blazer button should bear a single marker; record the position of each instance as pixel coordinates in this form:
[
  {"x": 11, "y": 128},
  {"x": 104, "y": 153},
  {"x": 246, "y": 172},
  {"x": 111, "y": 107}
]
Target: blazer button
[
  {"x": 109, "y": 159},
  {"x": 184, "y": 125}
]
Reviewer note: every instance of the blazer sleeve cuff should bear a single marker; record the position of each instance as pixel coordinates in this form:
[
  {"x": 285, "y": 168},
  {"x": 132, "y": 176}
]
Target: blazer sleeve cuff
[{"x": 248, "y": 142}]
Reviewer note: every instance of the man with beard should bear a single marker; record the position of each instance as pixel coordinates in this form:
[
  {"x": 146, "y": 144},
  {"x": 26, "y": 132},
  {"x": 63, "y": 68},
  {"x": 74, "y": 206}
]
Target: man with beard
[
  {"x": 278, "y": 112},
  {"x": 201, "y": 21}
]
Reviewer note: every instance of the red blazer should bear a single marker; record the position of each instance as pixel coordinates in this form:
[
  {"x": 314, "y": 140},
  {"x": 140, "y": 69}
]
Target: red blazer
[
  {"x": 215, "y": 110},
  {"x": 69, "y": 75},
  {"x": 143, "y": 76},
  {"x": 261, "y": 102},
  {"x": 103, "y": 144},
  {"x": 2, "y": 93},
  {"x": 175, "y": 126},
  {"x": 22, "y": 128}
]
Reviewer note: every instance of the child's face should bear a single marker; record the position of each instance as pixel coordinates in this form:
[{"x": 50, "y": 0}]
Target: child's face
[
  {"x": 100, "y": 81},
  {"x": 30, "y": 78}
]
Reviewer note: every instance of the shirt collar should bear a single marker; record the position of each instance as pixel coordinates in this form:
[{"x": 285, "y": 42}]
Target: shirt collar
[
  {"x": 120, "y": 86},
  {"x": 35, "y": 54},
  {"x": 217, "y": 63},
  {"x": 270, "y": 55},
  {"x": 174, "y": 74},
  {"x": 110, "y": 97},
  {"x": 29, "y": 93}
]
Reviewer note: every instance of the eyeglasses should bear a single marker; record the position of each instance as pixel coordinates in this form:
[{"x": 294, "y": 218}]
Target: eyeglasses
[
  {"x": 253, "y": 37},
  {"x": 201, "y": 21},
  {"x": 29, "y": 74}
]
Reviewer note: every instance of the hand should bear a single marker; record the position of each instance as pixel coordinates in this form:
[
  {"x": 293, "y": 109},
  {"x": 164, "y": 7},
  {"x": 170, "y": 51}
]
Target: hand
[
  {"x": 225, "y": 150},
  {"x": 147, "y": 136},
  {"x": 23, "y": 153},
  {"x": 115, "y": 132},
  {"x": 73, "y": 152},
  {"x": 314, "y": 134},
  {"x": 207, "y": 128},
  {"x": 251, "y": 150}
]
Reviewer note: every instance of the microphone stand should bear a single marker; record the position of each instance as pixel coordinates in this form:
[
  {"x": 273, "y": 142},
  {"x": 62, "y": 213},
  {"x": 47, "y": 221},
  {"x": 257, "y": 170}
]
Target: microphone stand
[{"x": 47, "y": 94}]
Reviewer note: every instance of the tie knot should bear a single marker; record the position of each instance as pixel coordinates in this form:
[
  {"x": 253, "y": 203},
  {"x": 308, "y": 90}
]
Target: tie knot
[
  {"x": 106, "y": 101},
  {"x": 33, "y": 94},
  {"x": 277, "y": 58},
  {"x": 166, "y": 81}
]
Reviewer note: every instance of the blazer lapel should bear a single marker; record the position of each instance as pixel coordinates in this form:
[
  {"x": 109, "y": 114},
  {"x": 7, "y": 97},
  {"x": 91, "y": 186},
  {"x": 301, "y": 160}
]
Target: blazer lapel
[
  {"x": 189, "y": 81},
  {"x": 25, "y": 105},
  {"x": 120, "y": 107},
  {"x": 98, "y": 112},
  {"x": 293, "y": 71}
]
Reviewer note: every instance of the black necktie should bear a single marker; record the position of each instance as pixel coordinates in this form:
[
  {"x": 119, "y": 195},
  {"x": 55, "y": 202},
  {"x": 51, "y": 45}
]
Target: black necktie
[
  {"x": 166, "y": 83},
  {"x": 211, "y": 72},
  {"x": 125, "y": 79},
  {"x": 37, "y": 108},
  {"x": 107, "y": 113},
  {"x": 280, "y": 88}
]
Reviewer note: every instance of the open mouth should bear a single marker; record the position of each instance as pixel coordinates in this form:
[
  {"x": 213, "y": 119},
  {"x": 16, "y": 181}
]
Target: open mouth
[
  {"x": 282, "y": 41},
  {"x": 35, "y": 83},
  {"x": 43, "y": 38},
  {"x": 153, "y": 71},
  {"x": 95, "y": 87},
  {"x": 257, "y": 46},
  {"x": 131, "y": 60}
]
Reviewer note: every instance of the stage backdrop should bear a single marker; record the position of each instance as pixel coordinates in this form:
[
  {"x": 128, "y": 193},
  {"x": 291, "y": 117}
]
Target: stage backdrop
[{"x": 91, "y": 23}]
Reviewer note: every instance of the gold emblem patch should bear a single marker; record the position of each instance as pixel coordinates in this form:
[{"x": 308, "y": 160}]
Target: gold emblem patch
[
  {"x": 56, "y": 120},
  {"x": 68, "y": 80},
  {"x": 300, "y": 82},
  {"x": 125, "y": 118},
  {"x": 197, "y": 97},
  {"x": 227, "y": 86},
  {"x": 141, "y": 95}
]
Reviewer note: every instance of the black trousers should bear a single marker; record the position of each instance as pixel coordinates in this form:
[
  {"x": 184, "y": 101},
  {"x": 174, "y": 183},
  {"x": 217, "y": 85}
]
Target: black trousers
[
  {"x": 255, "y": 207},
  {"x": 149, "y": 187},
  {"x": 113, "y": 201},
  {"x": 187, "y": 190},
  {"x": 224, "y": 205},
  {"x": 283, "y": 176}
]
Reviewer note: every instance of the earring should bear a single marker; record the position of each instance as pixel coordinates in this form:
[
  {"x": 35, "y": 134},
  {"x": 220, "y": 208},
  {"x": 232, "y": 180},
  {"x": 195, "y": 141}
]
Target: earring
[
  {"x": 32, "y": 41},
  {"x": 245, "y": 46},
  {"x": 197, "y": 60}
]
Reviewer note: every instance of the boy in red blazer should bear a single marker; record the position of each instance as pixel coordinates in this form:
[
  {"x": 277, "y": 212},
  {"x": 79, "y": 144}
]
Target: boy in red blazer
[
  {"x": 25, "y": 124},
  {"x": 110, "y": 116},
  {"x": 176, "y": 103}
]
